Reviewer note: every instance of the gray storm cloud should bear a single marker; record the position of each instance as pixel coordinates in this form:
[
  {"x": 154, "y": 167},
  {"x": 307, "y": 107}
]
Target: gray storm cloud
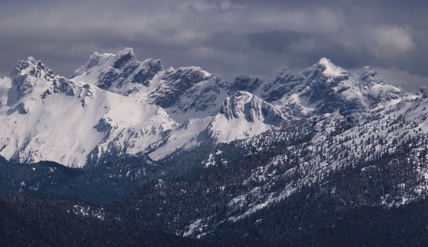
[{"x": 225, "y": 37}]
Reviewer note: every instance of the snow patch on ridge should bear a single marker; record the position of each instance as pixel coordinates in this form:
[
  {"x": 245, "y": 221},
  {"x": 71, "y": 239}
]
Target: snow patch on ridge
[
  {"x": 243, "y": 115},
  {"x": 187, "y": 135},
  {"x": 330, "y": 68}
]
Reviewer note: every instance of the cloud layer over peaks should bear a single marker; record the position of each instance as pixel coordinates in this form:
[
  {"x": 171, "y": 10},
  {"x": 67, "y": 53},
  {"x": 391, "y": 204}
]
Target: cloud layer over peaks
[{"x": 225, "y": 37}]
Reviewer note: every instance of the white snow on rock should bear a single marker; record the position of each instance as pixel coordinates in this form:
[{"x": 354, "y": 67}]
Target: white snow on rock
[
  {"x": 243, "y": 115},
  {"x": 330, "y": 68},
  {"x": 115, "y": 104},
  {"x": 41, "y": 122}
]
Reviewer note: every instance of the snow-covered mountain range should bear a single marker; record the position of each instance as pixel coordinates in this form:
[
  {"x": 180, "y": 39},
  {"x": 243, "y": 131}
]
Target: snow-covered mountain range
[
  {"x": 117, "y": 104},
  {"x": 322, "y": 137}
]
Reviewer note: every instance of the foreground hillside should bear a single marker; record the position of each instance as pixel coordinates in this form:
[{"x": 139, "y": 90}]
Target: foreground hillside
[{"x": 36, "y": 220}]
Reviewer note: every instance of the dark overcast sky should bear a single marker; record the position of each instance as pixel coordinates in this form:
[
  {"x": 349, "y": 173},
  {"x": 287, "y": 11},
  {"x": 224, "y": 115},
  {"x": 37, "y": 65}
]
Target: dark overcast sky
[{"x": 225, "y": 37}]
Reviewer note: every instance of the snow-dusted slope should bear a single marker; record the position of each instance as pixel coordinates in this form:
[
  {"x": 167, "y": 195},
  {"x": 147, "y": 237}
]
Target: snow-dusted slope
[
  {"x": 243, "y": 115},
  {"x": 46, "y": 117},
  {"x": 398, "y": 131},
  {"x": 387, "y": 149},
  {"x": 79, "y": 121},
  {"x": 325, "y": 88},
  {"x": 120, "y": 73},
  {"x": 186, "y": 136},
  {"x": 186, "y": 92},
  {"x": 277, "y": 84},
  {"x": 201, "y": 100},
  {"x": 115, "y": 104}
]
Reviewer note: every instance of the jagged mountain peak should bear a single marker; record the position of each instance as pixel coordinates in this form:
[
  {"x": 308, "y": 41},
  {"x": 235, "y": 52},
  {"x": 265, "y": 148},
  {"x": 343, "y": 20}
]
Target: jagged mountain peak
[
  {"x": 245, "y": 83},
  {"x": 318, "y": 77},
  {"x": 203, "y": 99},
  {"x": 329, "y": 69},
  {"x": 422, "y": 91},
  {"x": 153, "y": 62},
  {"x": 148, "y": 81},
  {"x": 368, "y": 76},
  {"x": 96, "y": 59},
  {"x": 29, "y": 78},
  {"x": 323, "y": 73},
  {"x": 126, "y": 51},
  {"x": 243, "y": 115},
  {"x": 193, "y": 71},
  {"x": 373, "y": 88},
  {"x": 123, "y": 57},
  {"x": 106, "y": 61},
  {"x": 245, "y": 104},
  {"x": 34, "y": 68},
  {"x": 281, "y": 72},
  {"x": 325, "y": 88},
  {"x": 277, "y": 84},
  {"x": 235, "y": 105},
  {"x": 120, "y": 73},
  {"x": 127, "y": 56},
  {"x": 175, "y": 82}
]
